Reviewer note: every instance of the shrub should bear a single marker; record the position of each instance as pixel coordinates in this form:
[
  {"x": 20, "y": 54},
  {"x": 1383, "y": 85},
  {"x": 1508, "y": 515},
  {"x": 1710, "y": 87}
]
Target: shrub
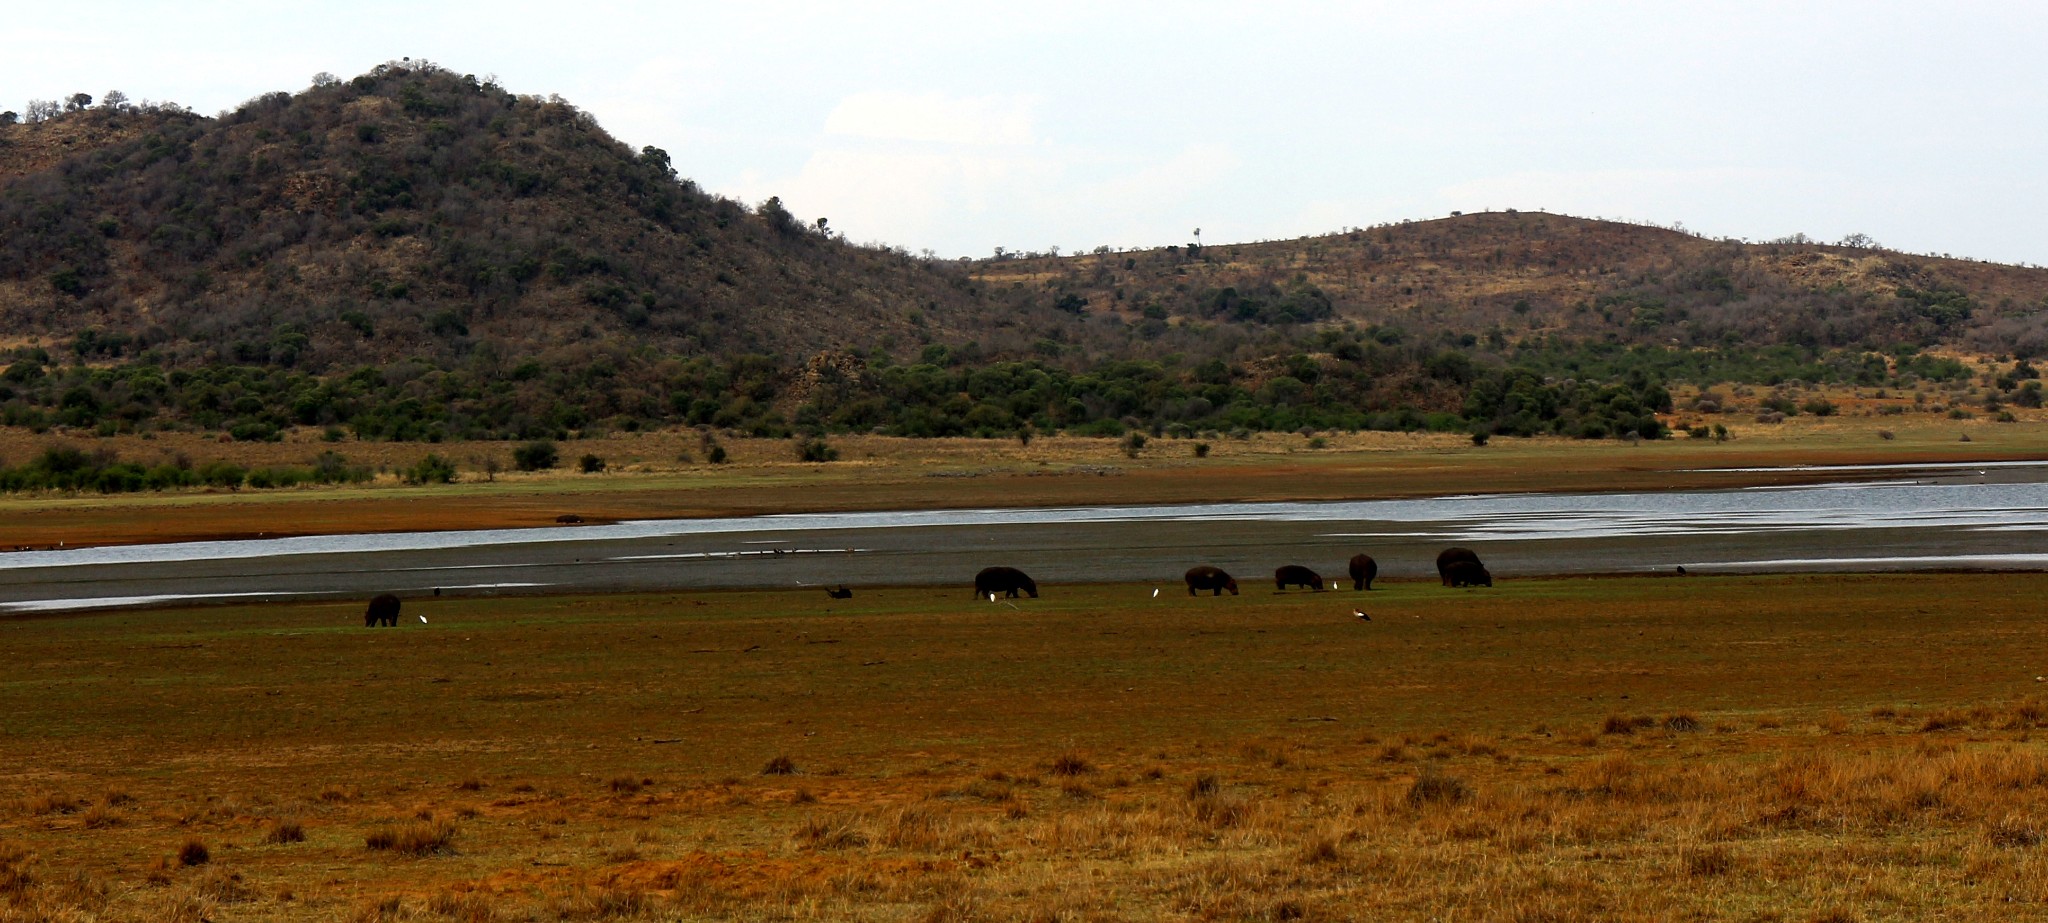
[
  {"x": 779, "y": 766},
  {"x": 590, "y": 464},
  {"x": 816, "y": 450},
  {"x": 193, "y": 852},
  {"x": 1201, "y": 450},
  {"x": 716, "y": 454},
  {"x": 538, "y": 455},
  {"x": 1133, "y": 443},
  {"x": 432, "y": 469}
]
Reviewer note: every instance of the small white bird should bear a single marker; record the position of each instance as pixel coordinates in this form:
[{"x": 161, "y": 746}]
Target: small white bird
[
  {"x": 1155, "y": 592},
  {"x": 1361, "y": 614},
  {"x": 423, "y": 620}
]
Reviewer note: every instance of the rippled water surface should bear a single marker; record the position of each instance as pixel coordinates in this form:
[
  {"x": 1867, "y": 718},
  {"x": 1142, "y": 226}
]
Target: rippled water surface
[{"x": 1978, "y": 516}]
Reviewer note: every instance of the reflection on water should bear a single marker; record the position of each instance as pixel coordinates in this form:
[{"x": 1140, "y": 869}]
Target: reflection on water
[
  {"x": 1940, "y": 521},
  {"x": 1522, "y": 517}
]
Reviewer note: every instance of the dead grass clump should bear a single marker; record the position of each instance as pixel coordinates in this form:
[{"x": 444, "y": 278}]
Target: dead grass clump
[
  {"x": 1684, "y": 722},
  {"x": 1288, "y": 910},
  {"x": 1321, "y": 851},
  {"x": 466, "y": 906},
  {"x": 336, "y": 794},
  {"x": 182, "y": 906},
  {"x": 15, "y": 877},
  {"x": 1884, "y": 711},
  {"x": 1709, "y": 862},
  {"x": 38, "y": 804},
  {"x": 1834, "y": 723},
  {"x": 602, "y": 903},
  {"x": 1432, "y": 788},
  {"x": 917, "y": 829},
  {"x": 1070, "y": 764},
  {"x": 1203, "y": 785},
  {"x": 99, "y": 817},
  {"x": 1624, "y": 724},
  {"x": 779, "y": 766},
  {"x": 222, "y": 887},
  {"x": 193, "y": 852},
  {"x": 1076, "y": 791},
  {"x": 835, "y": 833},
  {"x": 115, "y": 798},
  {"x": 379, "y": 910},
  {"x": 2013, "y": 832},
  {"x": 1220, "y": 811},
  {"x": 624, "y": 785},
  {"x": 471, "y": 785},
  {"x": 419, "y": 838},
  {"x": 1947, "y": 720},
  {"x": 285, "y": 831}
]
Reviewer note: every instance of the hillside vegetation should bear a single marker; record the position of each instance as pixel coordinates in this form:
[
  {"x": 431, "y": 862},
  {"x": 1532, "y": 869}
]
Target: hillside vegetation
[{"x": 415, "y": 254}]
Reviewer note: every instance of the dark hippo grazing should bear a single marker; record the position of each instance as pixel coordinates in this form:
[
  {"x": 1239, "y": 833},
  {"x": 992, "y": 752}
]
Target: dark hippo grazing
[
  {"x": 1213, "y": 579},
  {"x": 1296, "y": 575},
  {"x": 1363, "y": 569},
  {"x": 841, "y": 593},
  {"x": 383, "y": 611},
  {"x": 1467, "y": 573},
  {"x": 1004, "y": 580},
  {"x": 1452, "y": 556}
]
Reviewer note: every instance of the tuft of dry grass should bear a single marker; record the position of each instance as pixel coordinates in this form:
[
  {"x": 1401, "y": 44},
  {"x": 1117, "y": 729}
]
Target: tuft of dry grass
[
  {"x": 779, "y": 766},
  {"x": 1433, "y": 788},
  {"x": 1070, "y": 764},
  {"x": 416, "y": 838},
  {"x": 817, "y": 832},
  {"x": 41, "y": 803},
  {"x": 285, "y": 830},
  {"x": 194, "y": 852}
]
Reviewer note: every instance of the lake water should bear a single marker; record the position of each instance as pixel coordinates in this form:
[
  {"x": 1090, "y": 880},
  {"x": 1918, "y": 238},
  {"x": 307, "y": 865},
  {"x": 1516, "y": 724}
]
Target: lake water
[{"x": 1930, "y": 516}]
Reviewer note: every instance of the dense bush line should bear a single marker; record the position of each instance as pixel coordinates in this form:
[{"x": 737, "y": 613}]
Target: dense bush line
[
  {"x": 1350, "y": 381},
  {"x": 68, "y": 468}
]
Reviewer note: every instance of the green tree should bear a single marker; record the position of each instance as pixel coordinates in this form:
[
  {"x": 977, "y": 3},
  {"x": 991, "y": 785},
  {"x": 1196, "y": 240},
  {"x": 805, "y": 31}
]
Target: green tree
[{"x": 538, "y": 455}]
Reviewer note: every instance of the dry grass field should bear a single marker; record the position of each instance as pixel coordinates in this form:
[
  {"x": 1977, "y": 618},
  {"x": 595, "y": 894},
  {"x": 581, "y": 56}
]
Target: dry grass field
[
  {"x": 663, "y": 474},
  {"x": 1771, "y": 748}
]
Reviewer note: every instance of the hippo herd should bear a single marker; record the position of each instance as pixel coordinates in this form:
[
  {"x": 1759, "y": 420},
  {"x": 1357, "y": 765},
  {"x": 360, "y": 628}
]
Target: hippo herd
[{"x": 1457, "y": 567}]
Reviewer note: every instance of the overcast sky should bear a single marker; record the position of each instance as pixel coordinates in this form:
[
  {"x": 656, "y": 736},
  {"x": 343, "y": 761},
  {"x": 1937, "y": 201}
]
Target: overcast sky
[{"x": 963, "y": 127}]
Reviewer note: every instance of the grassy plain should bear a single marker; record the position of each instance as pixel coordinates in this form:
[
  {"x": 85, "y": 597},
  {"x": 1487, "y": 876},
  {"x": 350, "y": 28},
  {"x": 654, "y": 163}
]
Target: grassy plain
[
  {"x": 662, "y": 474},
  {"x": 1784, "y": 748}
]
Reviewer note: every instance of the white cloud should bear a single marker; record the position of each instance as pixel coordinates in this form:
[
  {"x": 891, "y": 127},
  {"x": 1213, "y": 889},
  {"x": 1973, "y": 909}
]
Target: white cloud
[{"x": 934, "y": 118}]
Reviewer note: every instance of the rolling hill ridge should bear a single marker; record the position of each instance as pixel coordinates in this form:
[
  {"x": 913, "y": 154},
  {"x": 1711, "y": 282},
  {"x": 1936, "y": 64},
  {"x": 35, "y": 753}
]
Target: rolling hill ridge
[{"x": 416, "y": 254}]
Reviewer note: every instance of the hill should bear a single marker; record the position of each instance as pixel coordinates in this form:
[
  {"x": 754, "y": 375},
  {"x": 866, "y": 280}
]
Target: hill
[
  {"x": 415, "y": 213},
  {"x": 416, "y": 254},
  {"x": 1512, "y": 277}
]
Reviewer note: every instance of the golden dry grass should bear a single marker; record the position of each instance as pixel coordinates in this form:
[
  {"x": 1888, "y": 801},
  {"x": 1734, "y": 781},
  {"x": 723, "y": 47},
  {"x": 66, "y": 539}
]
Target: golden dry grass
[{"x": 1753, "y": 748}]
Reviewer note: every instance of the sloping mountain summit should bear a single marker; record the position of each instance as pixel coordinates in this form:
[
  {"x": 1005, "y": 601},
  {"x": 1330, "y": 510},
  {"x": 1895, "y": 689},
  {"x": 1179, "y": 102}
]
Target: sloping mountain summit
[{"x": 416, "y": 253}]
